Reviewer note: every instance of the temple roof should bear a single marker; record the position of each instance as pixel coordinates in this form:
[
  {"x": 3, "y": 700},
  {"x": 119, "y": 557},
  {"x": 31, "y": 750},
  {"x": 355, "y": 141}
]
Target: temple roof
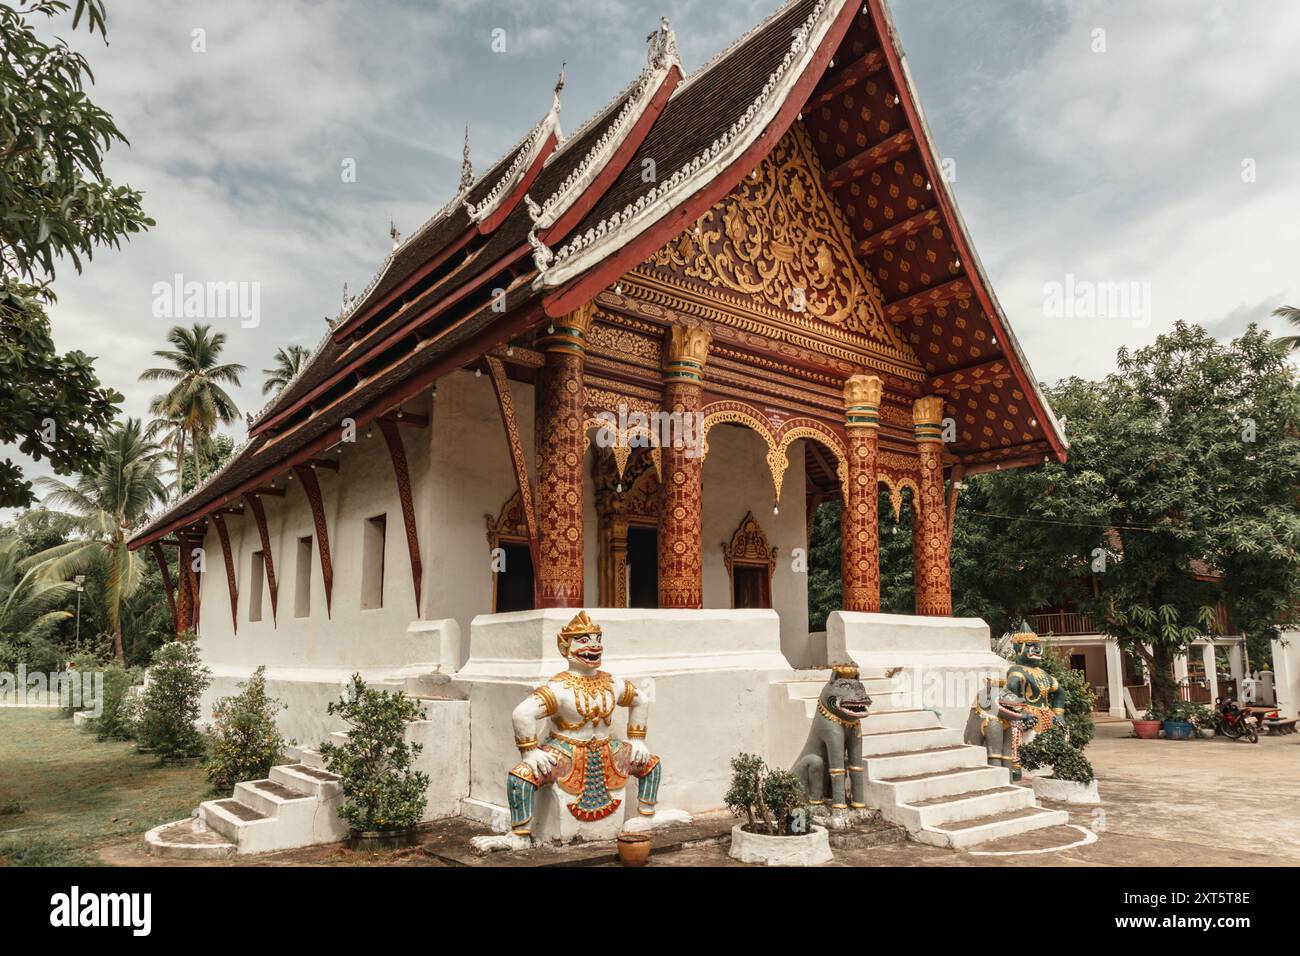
[{"x": 555, "y": 221}]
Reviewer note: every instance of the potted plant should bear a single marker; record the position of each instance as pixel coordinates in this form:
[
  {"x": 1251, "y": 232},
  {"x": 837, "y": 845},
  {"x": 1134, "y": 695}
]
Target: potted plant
[
  {"x": 778, "y": 830},
  {"x": 383, "y": 798},
  {"x": 1063, "y": 772},
  {"x": 1148, "y": 728},
  {"x": 1182, "y": 719}
]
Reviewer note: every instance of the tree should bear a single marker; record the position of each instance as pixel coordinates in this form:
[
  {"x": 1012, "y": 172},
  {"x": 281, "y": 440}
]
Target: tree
[
  {"x": 57, "y": 203},
  {"x": 102, "y": 508},
  {"x": 288, "y": 363},
  {"x": 1292, "y": 315},
  {"x": 196, "y": 402},
  {"x": 30, "y": 607}
]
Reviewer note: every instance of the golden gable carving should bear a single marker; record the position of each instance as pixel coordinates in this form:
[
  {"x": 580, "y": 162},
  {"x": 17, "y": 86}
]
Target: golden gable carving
[{"x": 780, "y": 238}]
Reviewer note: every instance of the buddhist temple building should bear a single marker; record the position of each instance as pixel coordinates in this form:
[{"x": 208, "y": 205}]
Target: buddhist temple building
[{"x": 621, "y": 368}]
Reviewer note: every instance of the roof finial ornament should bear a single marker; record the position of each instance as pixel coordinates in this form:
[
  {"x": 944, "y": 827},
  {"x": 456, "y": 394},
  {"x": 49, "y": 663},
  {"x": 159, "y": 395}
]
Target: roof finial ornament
[
  {"x": 559, "y": 88},
  {"x": 466, "y": 168},
  {"x": 542, "y": 256},
  {"x": 393, "y": 233},
  {"x": 662, "y": 46}
]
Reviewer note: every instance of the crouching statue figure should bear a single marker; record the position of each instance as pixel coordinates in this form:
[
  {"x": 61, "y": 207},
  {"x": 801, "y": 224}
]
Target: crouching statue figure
[
  {"x": 830, "y": 765},
  {"x": 1011, "y": 713},
  {"x": 578, "y": 755}
]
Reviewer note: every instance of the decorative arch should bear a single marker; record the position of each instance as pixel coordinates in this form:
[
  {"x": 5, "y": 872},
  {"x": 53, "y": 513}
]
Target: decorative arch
[
  {"x": 813, "y": 430},
  {"x": 896, "y": 486},
  {"x": 749, "y": 548},
  {"x": 739, "y": 413}
]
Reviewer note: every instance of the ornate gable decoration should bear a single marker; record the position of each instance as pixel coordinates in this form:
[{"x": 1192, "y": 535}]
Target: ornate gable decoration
[{"x": 780, "y": 239}]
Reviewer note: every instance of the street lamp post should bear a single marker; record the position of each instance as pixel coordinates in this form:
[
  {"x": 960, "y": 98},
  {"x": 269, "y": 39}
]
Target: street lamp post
[{"x": 81, "y": 586}]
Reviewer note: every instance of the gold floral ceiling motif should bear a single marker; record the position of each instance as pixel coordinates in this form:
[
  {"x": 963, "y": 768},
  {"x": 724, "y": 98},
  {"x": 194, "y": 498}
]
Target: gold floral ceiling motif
[{"x": 780, "y": 238}]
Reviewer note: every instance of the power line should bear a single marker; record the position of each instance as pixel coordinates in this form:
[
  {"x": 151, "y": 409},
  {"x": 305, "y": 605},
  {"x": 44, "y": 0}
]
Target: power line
[{"x": 1072, "y": 524}]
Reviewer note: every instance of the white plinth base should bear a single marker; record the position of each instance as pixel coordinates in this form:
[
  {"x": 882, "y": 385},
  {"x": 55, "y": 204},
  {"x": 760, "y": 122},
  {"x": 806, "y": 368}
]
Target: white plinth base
[
  {"x": 807, "y": 849},
  {"x": 1066, "y": 791},
  {"x": 664, "y": 817}
]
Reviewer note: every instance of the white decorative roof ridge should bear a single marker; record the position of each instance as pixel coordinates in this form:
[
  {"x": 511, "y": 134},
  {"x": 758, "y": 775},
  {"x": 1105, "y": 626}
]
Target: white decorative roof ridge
[
  {"x": 661, "y": 58},
  {"x": 529, "y": 149},
  {"x": 582, "y": 252}
]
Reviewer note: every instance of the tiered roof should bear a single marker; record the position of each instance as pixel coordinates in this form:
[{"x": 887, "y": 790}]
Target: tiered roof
[{"x": 555, "y": 221}]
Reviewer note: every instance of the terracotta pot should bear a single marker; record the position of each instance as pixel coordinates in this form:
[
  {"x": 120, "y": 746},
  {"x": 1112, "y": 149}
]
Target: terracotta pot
[
  {"x": 633, "y": 849},
  {"x": 1147, "y": 729}
]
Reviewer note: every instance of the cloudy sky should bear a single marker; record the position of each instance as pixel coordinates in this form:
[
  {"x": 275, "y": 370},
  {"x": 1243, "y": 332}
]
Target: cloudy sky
[{"x": 1148, "y": 141}]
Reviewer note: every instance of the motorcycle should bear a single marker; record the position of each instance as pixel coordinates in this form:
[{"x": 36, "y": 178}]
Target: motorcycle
[{"x": 1233, "y": 722}]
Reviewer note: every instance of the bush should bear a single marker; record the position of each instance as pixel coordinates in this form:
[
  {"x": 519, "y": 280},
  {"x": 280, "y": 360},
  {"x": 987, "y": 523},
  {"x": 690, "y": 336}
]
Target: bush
[
  {"x": 246, "y": 742},
  {"x": 82, "y": 661},
  {"x": 1049, "y": 749},
  {"x": 380, "y": 790},
  {"x": 177, "y": 679},
  {"x": 114, "y": 721},
  {"x": 774, "y": 797},
  {"x": 38, "y": 654}
]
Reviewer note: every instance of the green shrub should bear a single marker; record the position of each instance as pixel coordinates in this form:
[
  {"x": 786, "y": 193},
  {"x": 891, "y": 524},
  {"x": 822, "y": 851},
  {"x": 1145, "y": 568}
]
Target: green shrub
[
  {"x": 245, "y": 742},
  {"x": 1079, "y": 698},
  {"x": 82, "y": 661},
  {"x": 114, "y": 721},
  {"x": 1049, "y": 749},
  {"x": 770, "y": 799},
  {"x": 380, "y": 790},
  {"x": 177, "y": 679}
]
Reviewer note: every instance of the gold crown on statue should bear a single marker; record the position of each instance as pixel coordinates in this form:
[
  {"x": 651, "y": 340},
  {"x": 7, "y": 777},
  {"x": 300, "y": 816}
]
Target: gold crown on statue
[
  {"x": 581, "y": 624},
  {"x": 1024, "y": 637},
  {"x": 845, "y": 670}
]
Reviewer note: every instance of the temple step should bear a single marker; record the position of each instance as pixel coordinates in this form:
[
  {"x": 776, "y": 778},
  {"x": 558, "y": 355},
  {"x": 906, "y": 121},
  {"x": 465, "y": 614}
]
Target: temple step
[
  {"x": 955, "y": 808},
  {"x": 967, "y": 833},
  {"x": 909, "y": 762},
  {"x": 876, "y": 742},
  {"x": 295, "y": 806},
  {"x": 945, "y": 783}
]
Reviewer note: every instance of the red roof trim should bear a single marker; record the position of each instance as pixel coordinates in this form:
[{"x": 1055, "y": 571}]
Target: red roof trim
[
  {"x": 516, "y": 195},
  {"x": 631, "y": 143}
]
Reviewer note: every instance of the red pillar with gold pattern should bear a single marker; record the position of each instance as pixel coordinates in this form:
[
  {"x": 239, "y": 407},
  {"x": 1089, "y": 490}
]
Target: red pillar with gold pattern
[
  {"x": 859, "y": 528},
  {"x": 681, "y": 568},
  {"x": 561, "y": 407},
  {"x": 930, "y": 527}
]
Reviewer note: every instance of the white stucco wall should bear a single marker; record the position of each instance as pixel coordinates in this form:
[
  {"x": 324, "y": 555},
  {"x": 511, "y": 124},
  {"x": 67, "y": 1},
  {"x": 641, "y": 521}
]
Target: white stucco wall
[{"x": 736, "y": 479}]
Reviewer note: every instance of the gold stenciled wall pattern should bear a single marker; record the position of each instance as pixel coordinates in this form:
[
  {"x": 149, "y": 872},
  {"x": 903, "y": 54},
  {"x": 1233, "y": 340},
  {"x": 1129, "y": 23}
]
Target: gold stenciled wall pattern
[{"x": 780, "y": 238}]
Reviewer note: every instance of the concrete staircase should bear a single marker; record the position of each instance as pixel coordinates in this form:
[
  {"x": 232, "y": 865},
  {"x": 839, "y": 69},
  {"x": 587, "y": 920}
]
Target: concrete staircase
[{"x": 922, "y": 776}]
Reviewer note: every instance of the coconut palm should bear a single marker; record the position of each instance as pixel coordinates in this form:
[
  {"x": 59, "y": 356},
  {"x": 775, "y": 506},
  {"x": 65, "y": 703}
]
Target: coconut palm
[
  {"x": 30, "y": 603},
  {"x": 102, "y": 508},
  {"x": 196, "y": 402},
  {"x": 1292, "y": 315},
  {"x": 288, "y": 363}
]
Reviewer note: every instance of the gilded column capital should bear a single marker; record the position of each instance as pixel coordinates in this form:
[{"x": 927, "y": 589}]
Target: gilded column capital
[
  {"x": 927, "y": 417},
  {"x": 569, "y": 333},
  {"x": 862, "y": 401},
  {"x": 686, "y": 351}
]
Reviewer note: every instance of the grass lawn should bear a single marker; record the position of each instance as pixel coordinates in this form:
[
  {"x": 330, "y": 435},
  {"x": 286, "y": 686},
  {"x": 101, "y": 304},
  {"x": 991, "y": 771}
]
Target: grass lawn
[{"x": 62, "y": 793}]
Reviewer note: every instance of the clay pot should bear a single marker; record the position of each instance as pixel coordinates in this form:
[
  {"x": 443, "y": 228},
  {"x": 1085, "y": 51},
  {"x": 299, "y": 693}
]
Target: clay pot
[
  {"x": 633, "y": 849},
  {"x": 373, "y": 841},
  {"x": 1147, "y": 729}
]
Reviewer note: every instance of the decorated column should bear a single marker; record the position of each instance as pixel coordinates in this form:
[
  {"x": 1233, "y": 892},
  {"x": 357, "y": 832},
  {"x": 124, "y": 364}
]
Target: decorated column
[
  {"x": 930, "y": 530},
  {"x": 561, "y": 401},
  {"x": 859, "y": 528},
  {"x": 680, "y": 563}
]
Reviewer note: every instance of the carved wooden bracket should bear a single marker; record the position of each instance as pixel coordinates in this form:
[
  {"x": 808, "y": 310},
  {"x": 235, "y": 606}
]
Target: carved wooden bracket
[
  {"x": 231, "y": 584},
  {"x": 396, "y": 451},
  {"x": 259, "y": 516},
  {"x": 168, "y": 588},
  {"x": 506, "y": 402},
  {"x": 311, "y": 486}
]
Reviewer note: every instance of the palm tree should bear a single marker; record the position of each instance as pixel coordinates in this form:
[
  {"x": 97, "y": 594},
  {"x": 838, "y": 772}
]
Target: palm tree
[
  {"x": 1292, "y": 315},
  {"x": 30, "y": 603},
  {"x": 102, "y": 508},
  {"x": 196, "y": 403},
  {"x": 288, "y": 363}
]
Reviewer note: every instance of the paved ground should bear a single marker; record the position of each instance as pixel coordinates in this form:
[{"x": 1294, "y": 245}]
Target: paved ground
[{"x": 1164, "y": 803}]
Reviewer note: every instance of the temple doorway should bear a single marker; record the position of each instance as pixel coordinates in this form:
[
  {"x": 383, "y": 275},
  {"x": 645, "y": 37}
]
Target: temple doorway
[
  {"x": 642, "y": 567},
  {"x": 515, "y": 580}
]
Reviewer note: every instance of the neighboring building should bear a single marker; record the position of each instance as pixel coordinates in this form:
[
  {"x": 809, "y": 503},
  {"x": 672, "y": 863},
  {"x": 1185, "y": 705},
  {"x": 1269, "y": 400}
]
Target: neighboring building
[{"x": 1119, "y": 680}]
